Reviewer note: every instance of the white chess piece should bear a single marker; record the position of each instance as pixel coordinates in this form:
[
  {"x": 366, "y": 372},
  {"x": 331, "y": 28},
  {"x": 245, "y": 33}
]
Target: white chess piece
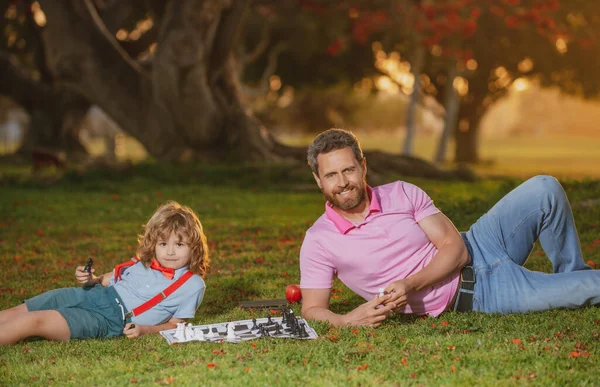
[
  {"x": 189, "y": 332},
  {"x": 231, "y": 332},
  {"x": 180, "y": 332},
  {"x": 210, "y": 332},
  {"x": 198, "y": 334}
]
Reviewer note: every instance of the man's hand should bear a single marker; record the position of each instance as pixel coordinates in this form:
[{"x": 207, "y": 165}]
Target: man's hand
[
  {"x": 85, "y": 278},
  {"x": 398, "y": 292},
  {"x": 368, "y": 314},
  {"x": 132, "y": 331},
  {"x": 315, "y": 306}
]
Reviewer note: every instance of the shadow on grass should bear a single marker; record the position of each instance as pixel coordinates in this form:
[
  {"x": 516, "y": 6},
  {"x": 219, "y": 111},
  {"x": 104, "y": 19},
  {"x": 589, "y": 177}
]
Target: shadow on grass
[{"x": 227, "y": 295}]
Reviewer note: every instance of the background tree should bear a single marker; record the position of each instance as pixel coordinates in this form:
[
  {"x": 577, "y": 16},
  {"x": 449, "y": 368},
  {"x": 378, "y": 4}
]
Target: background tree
[
  {"x": 178, "y": 91},
  {"x": 55, "y": 111},
  {"x": 480, "y": 47}
]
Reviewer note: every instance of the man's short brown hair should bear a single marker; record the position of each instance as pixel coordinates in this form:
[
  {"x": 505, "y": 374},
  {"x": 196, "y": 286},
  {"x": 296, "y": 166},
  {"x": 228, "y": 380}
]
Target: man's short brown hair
[{"x": 330, "y": 140}]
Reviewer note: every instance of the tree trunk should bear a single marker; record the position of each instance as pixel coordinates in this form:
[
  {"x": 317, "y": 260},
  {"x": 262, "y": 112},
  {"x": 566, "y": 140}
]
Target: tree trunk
[
  {"x": 452, "y": 105},
  {"x": 55, "y": 112},
  {"x": 470, "y": 113},
  {"x": 467, "y": 137},
  {"x": 188, "y": 106},
  {"x": 411, "y": 113}
]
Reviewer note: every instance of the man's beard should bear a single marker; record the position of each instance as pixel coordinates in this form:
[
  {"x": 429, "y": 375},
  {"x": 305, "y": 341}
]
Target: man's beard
[{"x": 353, "y": 200}]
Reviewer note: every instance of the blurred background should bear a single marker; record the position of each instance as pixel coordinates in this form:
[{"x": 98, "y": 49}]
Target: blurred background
[{"x": 507, "y": 87}]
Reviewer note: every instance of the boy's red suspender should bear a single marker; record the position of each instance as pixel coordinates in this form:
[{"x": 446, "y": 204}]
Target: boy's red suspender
[
  {"x": 119, "y": 268},
  {"x": 151, "y": 303}
]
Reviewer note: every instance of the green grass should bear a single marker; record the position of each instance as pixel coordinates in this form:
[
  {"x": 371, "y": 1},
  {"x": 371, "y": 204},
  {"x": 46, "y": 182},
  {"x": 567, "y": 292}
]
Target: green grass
[{"x": 255, "y": 218}]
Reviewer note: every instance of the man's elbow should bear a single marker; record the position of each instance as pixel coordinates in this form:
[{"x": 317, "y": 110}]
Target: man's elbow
[
  {"x": 309, "y": 312},
  {"x": 465, "y": 256},
  {"x": 305, "y": 312}
]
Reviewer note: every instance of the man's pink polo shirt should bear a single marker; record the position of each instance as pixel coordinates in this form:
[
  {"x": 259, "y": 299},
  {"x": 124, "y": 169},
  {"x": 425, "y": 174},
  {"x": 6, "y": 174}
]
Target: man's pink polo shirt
[{"x": 387, "y": 246}]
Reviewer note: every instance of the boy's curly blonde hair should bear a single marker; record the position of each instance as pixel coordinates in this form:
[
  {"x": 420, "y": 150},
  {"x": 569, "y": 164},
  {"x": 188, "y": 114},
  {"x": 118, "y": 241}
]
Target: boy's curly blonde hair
[{"x": 173, "y": 218}]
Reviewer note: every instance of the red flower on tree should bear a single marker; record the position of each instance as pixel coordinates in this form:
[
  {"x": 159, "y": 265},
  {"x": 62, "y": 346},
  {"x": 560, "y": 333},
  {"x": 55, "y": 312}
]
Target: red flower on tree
[{"x": 335, "y": 47}]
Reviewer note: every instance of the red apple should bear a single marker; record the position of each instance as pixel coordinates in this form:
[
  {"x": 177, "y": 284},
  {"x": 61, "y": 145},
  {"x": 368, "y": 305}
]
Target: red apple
[{"x": 293, "y": 293}]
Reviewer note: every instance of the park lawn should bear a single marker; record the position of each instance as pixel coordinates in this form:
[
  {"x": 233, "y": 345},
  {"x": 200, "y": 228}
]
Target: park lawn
[{"x": 255, "y": 218}]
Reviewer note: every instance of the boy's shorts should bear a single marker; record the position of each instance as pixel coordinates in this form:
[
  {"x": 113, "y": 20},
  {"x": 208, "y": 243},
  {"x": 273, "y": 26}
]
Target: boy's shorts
[{"x": 90, "y": 312}]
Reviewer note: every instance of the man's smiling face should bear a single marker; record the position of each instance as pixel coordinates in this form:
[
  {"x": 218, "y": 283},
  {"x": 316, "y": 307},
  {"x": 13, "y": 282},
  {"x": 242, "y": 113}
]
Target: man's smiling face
[{"x": 342, "y": 179}]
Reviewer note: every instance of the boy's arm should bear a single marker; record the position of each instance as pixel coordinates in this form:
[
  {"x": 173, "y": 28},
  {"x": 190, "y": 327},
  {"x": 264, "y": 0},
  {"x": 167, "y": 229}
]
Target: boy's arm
[
  {"x": 140, "y": 330},
  {"x": 89, "y": 279}
]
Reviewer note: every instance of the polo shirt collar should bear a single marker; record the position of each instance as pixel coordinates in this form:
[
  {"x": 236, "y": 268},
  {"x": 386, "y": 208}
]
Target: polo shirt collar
[{"x": 344, "y": 225}]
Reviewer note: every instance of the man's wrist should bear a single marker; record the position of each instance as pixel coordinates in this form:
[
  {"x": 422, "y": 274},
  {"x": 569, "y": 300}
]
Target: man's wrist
[
  {"x": 340, "y": 320},
  {"x": 411, "y": 284}
]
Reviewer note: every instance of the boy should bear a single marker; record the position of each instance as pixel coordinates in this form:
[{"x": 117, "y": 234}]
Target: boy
[{"x": 172, "y": 250}]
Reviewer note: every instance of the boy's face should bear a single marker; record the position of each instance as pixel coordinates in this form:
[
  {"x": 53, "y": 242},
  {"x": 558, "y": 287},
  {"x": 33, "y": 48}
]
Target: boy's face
[{"x": 173, "y": 253}]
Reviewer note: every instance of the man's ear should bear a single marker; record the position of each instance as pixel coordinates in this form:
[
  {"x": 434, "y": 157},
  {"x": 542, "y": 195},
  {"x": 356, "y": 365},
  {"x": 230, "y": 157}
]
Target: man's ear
[
  {"x": 364, "y": 165},
  {"x": 317, "y": 180}
]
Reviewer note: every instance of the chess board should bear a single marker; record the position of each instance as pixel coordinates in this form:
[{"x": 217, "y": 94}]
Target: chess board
[{"x": 245, "y": 330}]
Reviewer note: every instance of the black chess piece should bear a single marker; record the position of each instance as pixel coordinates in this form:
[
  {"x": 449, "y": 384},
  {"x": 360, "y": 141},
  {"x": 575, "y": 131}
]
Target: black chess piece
[
  {"x": 254, "y": 326},
  {"x": 303, "y": 332},
  {"x": 269, "y": 321},
  {"x": 291, "y": 319},
  {"x": 293, "y": 323},
  {"x": 277, "y": 329},
  {"x": 284, "y": 316},
  {"x": 88, "y": 265}
]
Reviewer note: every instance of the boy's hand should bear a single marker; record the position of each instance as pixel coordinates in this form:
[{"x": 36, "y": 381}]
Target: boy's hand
[
  {"x": 83, "y": 277},
  {"x": 131, "y": 331}
]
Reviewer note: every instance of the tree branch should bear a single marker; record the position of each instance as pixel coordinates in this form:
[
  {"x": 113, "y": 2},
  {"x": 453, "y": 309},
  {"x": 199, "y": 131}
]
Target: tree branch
[
  {"x": 135, "y": 47},
  {"x": 260, "y": 47},
  {"x": 84, "y": 60},
  {"x": 110, "y": 38},
  {"x": 23, "y": 89},
  {"x": 227, "y": 36}
]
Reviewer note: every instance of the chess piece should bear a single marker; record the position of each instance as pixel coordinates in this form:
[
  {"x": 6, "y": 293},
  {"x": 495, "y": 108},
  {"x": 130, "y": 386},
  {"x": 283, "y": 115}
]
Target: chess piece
[
  {"x": 189, "y": 332},
  {"x": 277, "y": 329},
  {"x": 198, "y": 334},
  {"x": 284, "y": 316},
  {"x": 210, "y": 333},
  {"x": 180, "y": 332},
  {"x": 303, "y": 332},
  {"x": 231, "y": 332},
  {"x": 292, "y": 322},
  {"x": 254, "y": 326},
  {"x": 269, "y": 321},
  {"x": 88, "y": 265}
]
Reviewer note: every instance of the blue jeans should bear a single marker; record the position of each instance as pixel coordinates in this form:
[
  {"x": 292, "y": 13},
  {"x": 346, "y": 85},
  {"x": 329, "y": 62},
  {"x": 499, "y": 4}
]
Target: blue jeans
[{"x": 502, "y": 239}]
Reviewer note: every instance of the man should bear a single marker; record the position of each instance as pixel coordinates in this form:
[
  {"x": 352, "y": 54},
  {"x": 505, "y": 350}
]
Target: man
[{"x": 392, "y": 237}]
